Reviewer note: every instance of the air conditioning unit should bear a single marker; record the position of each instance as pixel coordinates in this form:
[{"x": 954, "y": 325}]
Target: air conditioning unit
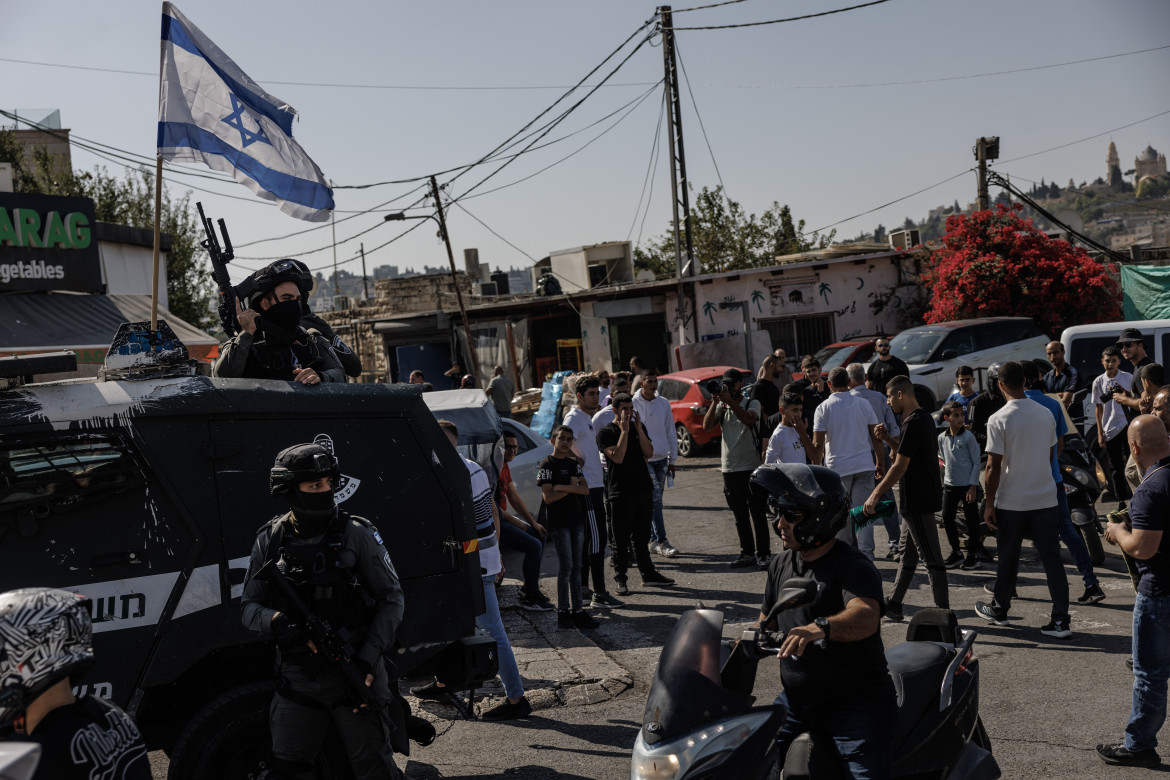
[
  {"x": 341, "y": 302},
  {"x": 487, "y": 288},
  {"x": 904, "y": 239}
]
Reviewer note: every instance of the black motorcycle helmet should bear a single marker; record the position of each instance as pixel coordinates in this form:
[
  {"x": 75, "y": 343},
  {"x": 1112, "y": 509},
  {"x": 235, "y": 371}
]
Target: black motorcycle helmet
[
  {"x": 312, "y": 512},
  {"x": 813, "y": 497},
  {"x": 993, "y": 378}
]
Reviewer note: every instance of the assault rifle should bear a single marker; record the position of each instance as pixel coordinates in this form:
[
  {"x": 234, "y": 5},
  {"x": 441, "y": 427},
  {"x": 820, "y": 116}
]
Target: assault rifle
[
  {"x": 331, "y": 646},
  {"x": 220, "y": 257}
]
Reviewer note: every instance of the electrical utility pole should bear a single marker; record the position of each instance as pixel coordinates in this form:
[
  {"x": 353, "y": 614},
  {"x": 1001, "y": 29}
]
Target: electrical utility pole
[
  {"x": 365, "y": 279},
  {"x": 333, "y": 227},
  {"x": 455, "y": 280},
  {"x": 680, "y": 197},
  {"x": 985, "y": 149}
]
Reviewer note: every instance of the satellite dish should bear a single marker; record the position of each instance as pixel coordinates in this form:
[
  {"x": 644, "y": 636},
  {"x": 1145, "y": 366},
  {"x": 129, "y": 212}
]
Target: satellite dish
[{"x": 1072, "y": 219}]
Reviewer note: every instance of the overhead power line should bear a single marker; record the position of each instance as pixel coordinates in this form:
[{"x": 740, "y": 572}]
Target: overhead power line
[
  {"x": 417, "y": 87},
  {"x": 702, "y": 7},
  {"x": 896, "y": 200},
  {"x": 1082, "y": 140},
  {"x": 1096, "y": 195},
  {"x": 651, "y": 164},
  {"x": 782, "y": 21},
  {"x": 930, "y": 80}
]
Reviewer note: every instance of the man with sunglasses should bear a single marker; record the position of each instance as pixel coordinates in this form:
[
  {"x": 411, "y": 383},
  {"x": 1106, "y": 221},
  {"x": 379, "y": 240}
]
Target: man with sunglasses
[
  {"x": 271, "y": 343},
  {"x": 885, "y": 368},
  {"x": 1133, "y": 349}
]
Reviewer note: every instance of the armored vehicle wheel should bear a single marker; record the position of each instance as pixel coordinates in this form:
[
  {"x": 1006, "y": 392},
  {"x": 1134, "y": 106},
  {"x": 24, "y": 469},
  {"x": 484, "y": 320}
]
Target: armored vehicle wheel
[{"x": 229, "y": 739}]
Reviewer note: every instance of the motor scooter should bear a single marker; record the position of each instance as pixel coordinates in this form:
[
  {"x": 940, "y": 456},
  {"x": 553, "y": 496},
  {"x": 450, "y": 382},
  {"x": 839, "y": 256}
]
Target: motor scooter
[
  {"x": 700, "y": 722},
  {"x": 1082, "y": 487}
]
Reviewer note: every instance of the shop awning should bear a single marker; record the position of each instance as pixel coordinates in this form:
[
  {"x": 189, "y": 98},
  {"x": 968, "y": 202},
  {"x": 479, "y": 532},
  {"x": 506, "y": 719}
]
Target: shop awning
[{"x": 42, "y": 322}]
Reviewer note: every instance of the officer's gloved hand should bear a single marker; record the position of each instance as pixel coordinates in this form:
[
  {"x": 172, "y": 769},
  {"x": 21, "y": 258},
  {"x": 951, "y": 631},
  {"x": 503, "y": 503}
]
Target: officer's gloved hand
[{"x": 288, "y": 635}]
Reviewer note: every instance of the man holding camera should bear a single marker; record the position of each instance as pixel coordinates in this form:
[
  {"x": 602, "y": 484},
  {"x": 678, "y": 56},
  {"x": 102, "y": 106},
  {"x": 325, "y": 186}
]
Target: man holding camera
[
  {"x": 739, "y": 455},
  {"x": 1149, "y": 546}
]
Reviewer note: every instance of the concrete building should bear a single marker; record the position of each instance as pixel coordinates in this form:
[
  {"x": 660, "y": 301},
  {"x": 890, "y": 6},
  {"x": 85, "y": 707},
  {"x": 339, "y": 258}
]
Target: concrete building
[{"x": 1150, "y": 162}]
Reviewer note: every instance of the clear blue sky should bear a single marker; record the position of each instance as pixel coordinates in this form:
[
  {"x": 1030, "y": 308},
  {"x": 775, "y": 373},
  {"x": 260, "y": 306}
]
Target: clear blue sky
[{"x": 830, "y": 153}]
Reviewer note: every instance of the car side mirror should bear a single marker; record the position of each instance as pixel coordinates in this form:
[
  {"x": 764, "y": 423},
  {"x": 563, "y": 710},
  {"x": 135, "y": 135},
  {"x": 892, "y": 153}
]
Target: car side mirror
[
  {"x": 793, "y": 593},
  {"x": 949, "y": 354}
]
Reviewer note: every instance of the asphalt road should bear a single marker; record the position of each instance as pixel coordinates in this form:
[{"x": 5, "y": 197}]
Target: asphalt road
[{"x": 1045, "y": 702}]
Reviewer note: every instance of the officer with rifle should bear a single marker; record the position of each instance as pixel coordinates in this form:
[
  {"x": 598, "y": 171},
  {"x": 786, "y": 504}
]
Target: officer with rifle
[
  {"x": 272, "y": 344},
  {"x": 274, "y": 334},
  {"x": 322, "y": 584}
]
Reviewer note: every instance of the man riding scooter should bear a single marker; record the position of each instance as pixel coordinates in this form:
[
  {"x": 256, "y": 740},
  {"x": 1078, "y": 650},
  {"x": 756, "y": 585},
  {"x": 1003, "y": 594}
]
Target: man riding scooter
[{"x": 833, "y": 663}]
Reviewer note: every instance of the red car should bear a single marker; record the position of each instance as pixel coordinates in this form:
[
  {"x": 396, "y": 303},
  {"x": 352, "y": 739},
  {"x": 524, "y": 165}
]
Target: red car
[
  {"x": 689, "y": 400},
  {"x": 842, "y": 353}
]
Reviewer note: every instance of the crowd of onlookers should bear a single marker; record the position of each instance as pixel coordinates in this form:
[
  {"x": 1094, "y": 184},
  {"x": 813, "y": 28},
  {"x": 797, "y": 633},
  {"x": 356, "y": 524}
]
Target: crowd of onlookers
[{"x": 989, "y": 466}]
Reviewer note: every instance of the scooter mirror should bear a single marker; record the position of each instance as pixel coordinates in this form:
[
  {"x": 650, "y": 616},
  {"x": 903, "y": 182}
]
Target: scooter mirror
[{"x": 793, "y": 593}]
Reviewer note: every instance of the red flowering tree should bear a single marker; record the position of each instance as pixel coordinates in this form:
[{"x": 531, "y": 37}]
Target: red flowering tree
[{"x": 994, "y": 263}]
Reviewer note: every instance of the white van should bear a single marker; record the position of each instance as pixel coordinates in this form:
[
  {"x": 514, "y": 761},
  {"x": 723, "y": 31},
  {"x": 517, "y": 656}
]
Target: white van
[{"x": 1083, "y": 344}]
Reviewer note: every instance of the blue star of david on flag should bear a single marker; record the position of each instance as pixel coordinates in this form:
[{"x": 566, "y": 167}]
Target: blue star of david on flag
[
  {"x": 236, "y": 120},
  {"x": 210, "y": 111}
]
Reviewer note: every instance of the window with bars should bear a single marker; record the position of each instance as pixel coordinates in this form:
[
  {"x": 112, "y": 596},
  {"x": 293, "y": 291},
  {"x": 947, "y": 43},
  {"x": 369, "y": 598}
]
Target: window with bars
[{"x": 800, "y": 335}]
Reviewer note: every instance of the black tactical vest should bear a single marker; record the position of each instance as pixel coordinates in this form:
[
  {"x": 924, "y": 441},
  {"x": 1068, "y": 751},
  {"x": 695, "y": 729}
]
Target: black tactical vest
[{"x": 324, "y": 574}]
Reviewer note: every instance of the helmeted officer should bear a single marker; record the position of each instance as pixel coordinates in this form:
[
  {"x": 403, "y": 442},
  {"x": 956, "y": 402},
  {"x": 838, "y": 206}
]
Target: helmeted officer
[
  {"x": 272, "y": 343},
  {"x": 339, "y": 568},
  {"x": 350, "y": 362}
]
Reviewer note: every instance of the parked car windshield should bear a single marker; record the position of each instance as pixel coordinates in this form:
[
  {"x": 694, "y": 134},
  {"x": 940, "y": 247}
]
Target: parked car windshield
[
  {"x": 915, "y": 346},
  {"x": 832, "y": 357}
]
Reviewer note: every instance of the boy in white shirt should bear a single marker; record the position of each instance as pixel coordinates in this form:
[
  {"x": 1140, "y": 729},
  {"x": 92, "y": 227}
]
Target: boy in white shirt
[
  {"x": 1111, "y": 421},
  {"x": 787, "y": 442}
]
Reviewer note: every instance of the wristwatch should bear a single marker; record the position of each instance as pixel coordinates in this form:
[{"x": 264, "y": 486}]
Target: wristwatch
[{"x": 823, "y": 625}]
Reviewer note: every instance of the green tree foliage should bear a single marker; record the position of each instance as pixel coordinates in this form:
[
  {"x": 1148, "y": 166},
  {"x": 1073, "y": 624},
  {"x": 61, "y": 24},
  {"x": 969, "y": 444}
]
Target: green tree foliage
[
  {"x": 1150, "y": 187},
  {"x": 129, "y": 201},
  {"x": 727, "y": 238}
]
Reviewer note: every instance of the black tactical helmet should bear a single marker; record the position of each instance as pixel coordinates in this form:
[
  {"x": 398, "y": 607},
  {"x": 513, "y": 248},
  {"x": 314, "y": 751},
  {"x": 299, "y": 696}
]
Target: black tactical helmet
[
  {"x": 301, "y": 463},
  {"x": 993, "y": 373},
  {"x": 813, "y": 497},
  {"x": 287, "y": 270}
]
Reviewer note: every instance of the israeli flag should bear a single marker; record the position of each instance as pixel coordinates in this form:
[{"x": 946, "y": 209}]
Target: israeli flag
[{"x": 210, "y": 111}]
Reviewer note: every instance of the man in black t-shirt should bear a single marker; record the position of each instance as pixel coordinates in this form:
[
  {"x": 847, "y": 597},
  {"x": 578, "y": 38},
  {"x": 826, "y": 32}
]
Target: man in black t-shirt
[
  {"x": 630, "y": 491},
  {"x": 833, "y": 663},
  {"x": 812, "y": 386},
  {"x": 1133, "y": 349},
  {"x": 916, "y": 465},
  {"x": 885, "y": 368},
  {"x": 984, "y": 405},
  {"x": 48, "y": 638}
]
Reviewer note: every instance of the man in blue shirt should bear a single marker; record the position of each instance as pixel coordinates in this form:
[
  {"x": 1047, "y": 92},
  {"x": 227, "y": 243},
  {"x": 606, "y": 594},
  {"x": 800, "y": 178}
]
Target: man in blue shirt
[
  {"x": 1149, "y": 546},
  {"x": 1068, "y": 532}
]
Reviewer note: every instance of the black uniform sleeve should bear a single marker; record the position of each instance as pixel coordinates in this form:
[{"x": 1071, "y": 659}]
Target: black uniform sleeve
[
  {"x": 329, "y": 368},
  {"x": 233, "y": 357},
  {"x": 255, "y": 612},
  {"x": 378, "y": 574},
  {"x": 349, "y": 360}
]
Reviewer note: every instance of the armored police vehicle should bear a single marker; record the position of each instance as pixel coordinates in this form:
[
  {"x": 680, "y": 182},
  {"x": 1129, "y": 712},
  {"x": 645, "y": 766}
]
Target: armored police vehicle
[{"x": 144, "y": 490}]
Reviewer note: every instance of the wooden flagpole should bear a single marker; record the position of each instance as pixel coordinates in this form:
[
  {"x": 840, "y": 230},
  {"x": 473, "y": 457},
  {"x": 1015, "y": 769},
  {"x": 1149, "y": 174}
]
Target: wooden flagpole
[{"x": 157, "y": 240}]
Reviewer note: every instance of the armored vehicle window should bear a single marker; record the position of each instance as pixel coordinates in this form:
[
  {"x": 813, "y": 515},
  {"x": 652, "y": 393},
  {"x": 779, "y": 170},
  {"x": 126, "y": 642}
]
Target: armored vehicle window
[{"x": 64, "y": 473}]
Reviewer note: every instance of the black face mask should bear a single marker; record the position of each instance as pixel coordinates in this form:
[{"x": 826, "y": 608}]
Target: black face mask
[
  {"x": 280, "y": 321},
  {"x": 312, "y": 512}
]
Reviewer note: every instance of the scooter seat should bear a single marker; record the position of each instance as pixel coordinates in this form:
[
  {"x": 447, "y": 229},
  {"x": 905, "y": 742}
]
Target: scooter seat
[{"x": 917, "y": 669}]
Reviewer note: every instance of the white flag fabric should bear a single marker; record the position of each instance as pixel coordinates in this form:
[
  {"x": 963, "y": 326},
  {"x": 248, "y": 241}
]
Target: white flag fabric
[{"x": 210, "y": 111}]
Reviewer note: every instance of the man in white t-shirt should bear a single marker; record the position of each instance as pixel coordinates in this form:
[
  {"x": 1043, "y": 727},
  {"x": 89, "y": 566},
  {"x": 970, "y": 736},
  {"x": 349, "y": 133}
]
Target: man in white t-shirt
[
  {"x": 1020, "y": 439},
  {"x": 656, "y": 415},
  {"x": 843, "y": 435},
  {"x": 580, "y": 421},
  {"x": 893, "y": 521}
]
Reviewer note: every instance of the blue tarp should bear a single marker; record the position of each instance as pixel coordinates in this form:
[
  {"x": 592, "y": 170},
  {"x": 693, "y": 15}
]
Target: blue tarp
[{"x": 550, "y": 398}]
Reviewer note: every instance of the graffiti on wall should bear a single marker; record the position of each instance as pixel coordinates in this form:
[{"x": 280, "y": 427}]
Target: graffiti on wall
[{"x": 792, "y": 297}]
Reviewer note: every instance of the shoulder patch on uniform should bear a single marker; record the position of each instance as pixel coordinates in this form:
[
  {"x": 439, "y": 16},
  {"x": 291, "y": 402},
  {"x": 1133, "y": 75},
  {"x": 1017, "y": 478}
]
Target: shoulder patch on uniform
[{"x": 377, "y": 536}]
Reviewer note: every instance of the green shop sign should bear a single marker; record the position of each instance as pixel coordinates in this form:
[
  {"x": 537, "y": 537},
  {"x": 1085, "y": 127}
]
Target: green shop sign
[{"x": 47, "y": 243}]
